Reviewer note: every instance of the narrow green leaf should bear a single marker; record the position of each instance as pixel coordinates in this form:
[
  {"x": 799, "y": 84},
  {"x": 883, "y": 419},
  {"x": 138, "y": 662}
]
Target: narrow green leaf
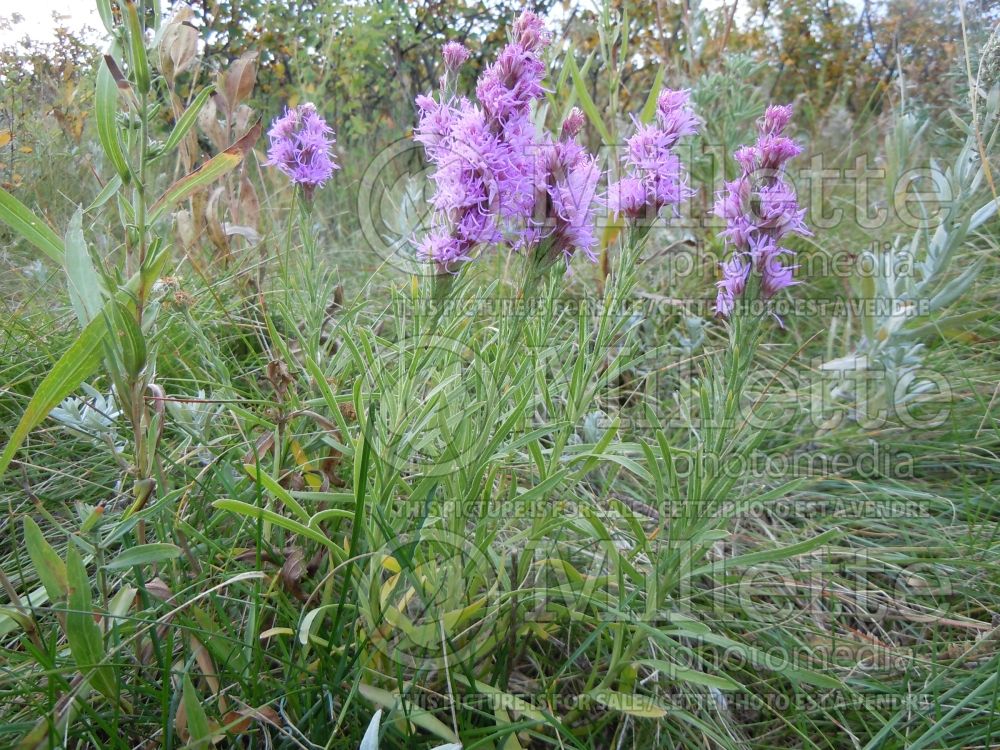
[
  {"x": 642, "y": 706},
  {"x": 251, "y": 511},
  {"x": 686, "y": 674},
  {"x": 107, "y": 16},
  {"x": 144, "y": 554},
  {"x": 540, "y": 489},
  {"x": 86, "y": 643},
  {"x": 187, "y": 119},
  {"x": 768, "y": 555},
  {"x": 23, "y": 221},
  {"x": 419, "y": 716},
  {"x": 586, "y": 102},
  {"x": 83, "y": 282},
  {"x": 76, "y": 365},
  {"x": 277, "y": 490},
  {"x": 105, "y": 111},
  {"x": 107, "y": 193},
  {"x": 199, "y": 731},
  {"x": 649, "y": 108},
  {"x": 767, "y": 660},
  {"x": 206, "y": 174},
  {"x": 137, "y": 48},
  {"x": 130, "y": 338},
  {"x": 50, "y": 568}
]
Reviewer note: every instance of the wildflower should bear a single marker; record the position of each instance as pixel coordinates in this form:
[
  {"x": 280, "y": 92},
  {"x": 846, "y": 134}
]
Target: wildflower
[
  {"x": 567, "y": 202},
  {"x": 508, "y": 86},
  {"x": 455, "y": 54},
  {"x": 735, "y": 272},
  {"x": 573, "y": 123},
  {"x": 627, "y": 197},
  {"x": 654, "y": 175},
  {"x": 530, "y": 33},
  {"x": 675, "y": 116},
  {"x": 760, "y": 208},
  {"x": 497, "y": 179},
  {"x": 302, "y": 147}
]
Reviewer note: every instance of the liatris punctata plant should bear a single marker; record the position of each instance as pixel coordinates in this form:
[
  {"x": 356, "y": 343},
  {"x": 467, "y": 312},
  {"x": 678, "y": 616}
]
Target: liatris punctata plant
[
  {"x": 760, "y": 208},
  {"x": 654, "y": 176},
  {"x": 498, "y": 181},
  {"x": 302, "y": 148}
]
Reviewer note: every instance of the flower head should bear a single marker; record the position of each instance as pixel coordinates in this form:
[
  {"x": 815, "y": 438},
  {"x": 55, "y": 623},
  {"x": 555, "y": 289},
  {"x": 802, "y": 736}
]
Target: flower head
[
  {"x": 455, "y": 54},
  {"x": 302, "y": 147},
  {"x": 566, "y": 202},
  {"x": 530, "y": 33},
  {"x": 627, "y": 197},
  {"x": 776, "y": 117},
  {"x": 655, "y": 177},
  {"x": 675, "y": 116},
  {"x": 573, "y": 123},
  {"x": 497, "y": 179},
  {"x": 760, "y": 208},
  {"x": 735, "y": 272},
  {"x": 511, "y": 83}
]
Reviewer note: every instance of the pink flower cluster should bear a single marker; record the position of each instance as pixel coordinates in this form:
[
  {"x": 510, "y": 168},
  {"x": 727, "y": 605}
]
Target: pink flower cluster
[
  {"x": 654, "y": 175},
  {"x": 497, "y": 179},
  {"x": 302, "y": 147},
  {"x": 760, "y": 208}
]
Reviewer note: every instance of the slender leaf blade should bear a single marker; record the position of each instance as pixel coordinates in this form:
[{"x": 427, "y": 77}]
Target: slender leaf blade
[
  {"x": 206, "y": 174},
  {"x": 23, "y": 221},
  {"x": 50, "y": 568},
  {"x": 83, "y": 281},
  {"x": 86, "y": 642}
]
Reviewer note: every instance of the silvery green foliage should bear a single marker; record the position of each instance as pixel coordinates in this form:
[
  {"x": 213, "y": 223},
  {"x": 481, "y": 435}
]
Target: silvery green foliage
[
  {"x": 194, "y": 416},
  {"x": 93, "y": 417},
  {"x": 370, "y": 740},
  {"x": 690, "y": 335},
  {"x": 921, "y": 274}
]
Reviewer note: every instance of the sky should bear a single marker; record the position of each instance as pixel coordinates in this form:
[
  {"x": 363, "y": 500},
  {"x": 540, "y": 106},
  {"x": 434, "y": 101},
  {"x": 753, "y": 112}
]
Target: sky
[{"x": 38, "y": 23}]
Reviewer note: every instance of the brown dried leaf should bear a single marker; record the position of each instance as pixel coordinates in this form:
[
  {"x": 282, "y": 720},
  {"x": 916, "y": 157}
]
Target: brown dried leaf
[
  {"x": 294, "y": 568},
  {"x": 248, "y": 213},
  {"x": 208, "y": 121},
  {"x": 178, "y": 47},
  {"x": 243, "y": 118},
  {"x": 237, "y": 83},
  {"x": 216, "y": 233},
  {"x": 279, "y": 377},
  {"x": 185, "y": 228},
  {"x": 156, "y": 587},
  {"x": 263, "y": 445}
]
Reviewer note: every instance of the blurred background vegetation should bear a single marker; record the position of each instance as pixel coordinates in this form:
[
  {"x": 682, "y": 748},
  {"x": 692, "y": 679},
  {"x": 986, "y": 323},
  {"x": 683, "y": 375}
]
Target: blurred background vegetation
[{"x": 843, "y": 63}]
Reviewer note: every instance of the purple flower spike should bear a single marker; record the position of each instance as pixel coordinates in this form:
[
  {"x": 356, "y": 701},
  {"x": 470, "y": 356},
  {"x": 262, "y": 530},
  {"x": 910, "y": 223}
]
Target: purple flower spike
[
  {"x": 627, "y": 197},
  {"x": 775, "y": 119},
  {"x": 497, "y": 179},
  {"x": 573, "y": 123},
  {"x": 675, "y": 116},
  {"x": 302, "y": 147},
  {"x": 455, "y": 55},
  {"x": 655, "y": 177},
  {"x": 760, "y": 208},
  {"x": 530, "y": 33},
  {"x": 567, "y": 202},
  {"x": 735, "y": 272}
]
